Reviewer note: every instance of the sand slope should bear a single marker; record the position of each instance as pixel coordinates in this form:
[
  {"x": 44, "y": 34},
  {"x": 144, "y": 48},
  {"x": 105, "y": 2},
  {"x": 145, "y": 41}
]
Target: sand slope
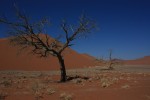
[
  {"x": 141, "y": 61},
  {"x": 11, "y": 60}
]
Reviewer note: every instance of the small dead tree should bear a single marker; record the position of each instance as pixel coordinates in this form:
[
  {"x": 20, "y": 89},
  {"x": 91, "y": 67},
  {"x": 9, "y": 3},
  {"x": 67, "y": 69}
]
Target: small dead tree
[
  {"x": 110, "y": 63},
  {"x": 27, "y": 34}
]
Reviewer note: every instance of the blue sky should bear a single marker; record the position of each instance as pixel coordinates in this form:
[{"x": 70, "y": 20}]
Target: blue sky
[{"x": 124, "y": 25}]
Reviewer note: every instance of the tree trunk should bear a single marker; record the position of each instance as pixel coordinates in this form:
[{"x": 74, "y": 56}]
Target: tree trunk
[{"x": 62, "y": 68}]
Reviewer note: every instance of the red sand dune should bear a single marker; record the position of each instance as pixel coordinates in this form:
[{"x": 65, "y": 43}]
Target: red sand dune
[
  {"x": 141, "y": 61},
  {"x": 9, "y": 60}
]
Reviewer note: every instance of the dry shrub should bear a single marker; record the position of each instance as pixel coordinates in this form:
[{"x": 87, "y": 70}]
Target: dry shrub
[
  {"x": 38, "y": 90},
  {"x": 97, "y": 76},
  {"x": 19, "y": 83},
  {"x": 107, "y": 81},
  {"x": 77, "y": 79},
  {"x": 38, "y": 95},
  {"x": 47, "y": 79},
  {"x": 64, "y": 96},
  {"x": 6, "y": 82},
  {"x": 125, "y": 86},
  {"x": 50, "y": 91}
]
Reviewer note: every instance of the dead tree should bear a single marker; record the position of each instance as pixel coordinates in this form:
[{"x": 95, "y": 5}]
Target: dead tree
[
  {"x": 112, "y": 61},
  {"x": 27, "y": 34}
]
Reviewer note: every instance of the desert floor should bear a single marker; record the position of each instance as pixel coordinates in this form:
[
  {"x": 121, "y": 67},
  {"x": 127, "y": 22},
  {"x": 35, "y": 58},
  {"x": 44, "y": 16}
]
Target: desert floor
[{"x": 95, "y": 83}]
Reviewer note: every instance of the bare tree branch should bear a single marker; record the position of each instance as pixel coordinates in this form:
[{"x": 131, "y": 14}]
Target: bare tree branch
[{"x": 85, "y": 26}]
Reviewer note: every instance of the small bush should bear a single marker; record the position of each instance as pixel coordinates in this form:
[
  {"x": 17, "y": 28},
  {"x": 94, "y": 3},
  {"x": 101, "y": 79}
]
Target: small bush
[
  {"x": 107, "y": 81},
  {"x": 64, "y": 96},
  {"x": 125, "y": 86},
  {"x": 50, "y": 91}
]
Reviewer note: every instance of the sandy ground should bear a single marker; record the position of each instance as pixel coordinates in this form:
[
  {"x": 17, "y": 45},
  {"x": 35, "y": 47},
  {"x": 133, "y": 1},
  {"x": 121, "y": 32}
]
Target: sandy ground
[{"x": 97, "y": 83}]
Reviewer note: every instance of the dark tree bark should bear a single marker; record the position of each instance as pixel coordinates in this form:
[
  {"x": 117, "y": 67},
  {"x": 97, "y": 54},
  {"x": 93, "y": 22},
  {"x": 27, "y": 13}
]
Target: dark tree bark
[{"x": 62, "y": 68}]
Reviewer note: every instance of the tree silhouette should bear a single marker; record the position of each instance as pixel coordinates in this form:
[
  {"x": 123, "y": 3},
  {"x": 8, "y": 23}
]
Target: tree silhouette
[{"x": 26, "y": 34}]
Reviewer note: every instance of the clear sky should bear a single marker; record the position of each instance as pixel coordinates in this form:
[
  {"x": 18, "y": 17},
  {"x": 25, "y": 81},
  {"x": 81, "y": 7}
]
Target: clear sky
[{"x": 124, "y": 25}]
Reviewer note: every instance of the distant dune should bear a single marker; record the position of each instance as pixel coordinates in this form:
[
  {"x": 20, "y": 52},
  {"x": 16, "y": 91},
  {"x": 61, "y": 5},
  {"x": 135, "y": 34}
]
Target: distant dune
[
  {"x": 11, "y": 59},
  {"x": 141, "y": 61}
]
